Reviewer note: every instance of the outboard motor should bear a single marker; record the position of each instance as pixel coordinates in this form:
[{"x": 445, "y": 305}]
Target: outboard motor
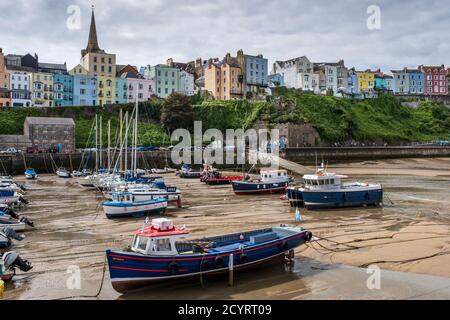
[
  {"x": 10, "y": 233},
  {"x": 23, "y": 200},
  {"x": 27, "y": 221},
  {"x": 12, "y": 260},
  {"x": 10, "y": 212}
]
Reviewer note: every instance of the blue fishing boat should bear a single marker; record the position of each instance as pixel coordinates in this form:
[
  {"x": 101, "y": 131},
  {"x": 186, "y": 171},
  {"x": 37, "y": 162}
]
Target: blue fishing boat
[
  {"x": 124, "y": 204},
  {"x": 31, "y": 174},
  {"x": 327, "y": 190},
  {"x": 275, "y": 181},
  {"x": 159, "y": 254}
]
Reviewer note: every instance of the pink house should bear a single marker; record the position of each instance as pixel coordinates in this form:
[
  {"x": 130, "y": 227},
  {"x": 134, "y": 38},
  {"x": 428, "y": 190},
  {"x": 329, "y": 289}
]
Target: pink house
[{"x": 138, "y": 86}]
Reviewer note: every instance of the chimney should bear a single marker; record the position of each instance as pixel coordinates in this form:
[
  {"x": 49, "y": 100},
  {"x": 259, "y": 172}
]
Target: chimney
[{"x": 170, "y": 62}]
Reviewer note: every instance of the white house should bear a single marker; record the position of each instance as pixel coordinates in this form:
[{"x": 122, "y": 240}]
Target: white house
[
  {"x": 298, "y": 73},
  {"x": 138, "y": 86},
  {"x": 20, "y": 82},
  {"x": 187, "y": 86}
]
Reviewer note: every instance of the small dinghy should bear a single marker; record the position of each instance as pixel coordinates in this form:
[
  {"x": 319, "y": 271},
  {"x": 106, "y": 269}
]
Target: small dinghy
[
  {"x": 187, "y": 173},
  {"x": 275, "y": 181},
  {"x": 9, "y": 262},
  {"x": 124, "y": 204},
  {"x": 63, "y": 173},
  {"x": 158, "y": 254},
  {"x": 8, "y": 218},
  {"x": 31, "y": 174}
]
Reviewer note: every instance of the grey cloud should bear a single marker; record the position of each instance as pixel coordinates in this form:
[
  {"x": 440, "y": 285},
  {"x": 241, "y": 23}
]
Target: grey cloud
[{"x": 150, "y": 31}]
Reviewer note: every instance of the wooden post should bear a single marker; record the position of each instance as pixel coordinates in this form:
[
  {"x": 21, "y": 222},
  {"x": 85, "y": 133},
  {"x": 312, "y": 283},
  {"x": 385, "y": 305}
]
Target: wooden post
[{"x": 231, "y": 271}]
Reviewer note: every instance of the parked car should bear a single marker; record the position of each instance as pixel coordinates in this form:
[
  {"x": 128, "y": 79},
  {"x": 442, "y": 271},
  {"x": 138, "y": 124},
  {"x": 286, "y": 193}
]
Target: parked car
[{"x": 10, "y": 151}]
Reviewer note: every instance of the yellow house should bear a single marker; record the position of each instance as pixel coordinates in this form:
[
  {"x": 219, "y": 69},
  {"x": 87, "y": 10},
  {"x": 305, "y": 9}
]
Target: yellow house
[
  {"x": 366, "y": 81},
  {"x": 224, "y": 79},
  {"x": 106, "y": 90},
  {"x": 42, "y": 89}
]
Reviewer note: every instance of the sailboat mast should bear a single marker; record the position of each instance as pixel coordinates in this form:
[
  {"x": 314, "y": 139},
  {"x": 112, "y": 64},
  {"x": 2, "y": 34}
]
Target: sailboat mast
[
  {"x": 136, "y": 132},
  {"x": 101, "y": 141},
  {"x": 96, "y": 143},
  {"x": 126, "y": 142},
  {"x": 121, "y": 140},
  {"x": 109, "y": 145}
]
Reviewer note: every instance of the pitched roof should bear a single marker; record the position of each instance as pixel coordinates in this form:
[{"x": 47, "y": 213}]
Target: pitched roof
[
  {"x": 283, "y": 63},
  {"x": 50, "y": 121}
]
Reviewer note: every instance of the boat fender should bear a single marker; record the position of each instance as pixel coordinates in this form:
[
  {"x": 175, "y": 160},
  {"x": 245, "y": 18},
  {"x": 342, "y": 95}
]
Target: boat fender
[
  {"x": 283, "y": 246},
  {"x": 218, "y": 262},
  {"x": 243, "y": 258},
  {"x": 205, "y": 265},
  {"x": 174, "y": 268},
  {"x": 308, "y": 236}
]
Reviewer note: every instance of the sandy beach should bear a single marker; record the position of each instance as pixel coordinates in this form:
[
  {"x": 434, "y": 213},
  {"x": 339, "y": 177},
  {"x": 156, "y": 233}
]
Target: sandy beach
[{"x": 409, "y": 234}]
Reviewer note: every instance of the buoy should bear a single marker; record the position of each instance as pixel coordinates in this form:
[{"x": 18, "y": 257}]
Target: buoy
[
  {"x": 298, "y": 216},
  {"x": 2, "y": 288}
]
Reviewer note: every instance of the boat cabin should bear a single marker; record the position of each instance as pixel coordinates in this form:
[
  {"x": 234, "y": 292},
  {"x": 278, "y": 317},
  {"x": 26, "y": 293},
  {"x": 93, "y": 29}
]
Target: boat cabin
[
  {"x": 323, "y": 180},
  {"x": 158, "y": 239},
  {"x": 274, "y": 176},
  {"x": 126, "y": 197}
]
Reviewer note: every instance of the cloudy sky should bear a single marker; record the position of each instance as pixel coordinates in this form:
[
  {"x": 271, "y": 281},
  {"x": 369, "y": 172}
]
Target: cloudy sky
[{"x": 144, "y": 32}]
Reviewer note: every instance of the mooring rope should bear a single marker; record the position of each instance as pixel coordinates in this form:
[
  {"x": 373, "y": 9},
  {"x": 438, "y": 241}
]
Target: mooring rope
[{"x": 99, "y": 290}]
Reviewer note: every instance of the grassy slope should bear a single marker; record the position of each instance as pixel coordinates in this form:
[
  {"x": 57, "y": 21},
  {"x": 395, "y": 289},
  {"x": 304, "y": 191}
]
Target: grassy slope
[{"x": 336, "y": 119}]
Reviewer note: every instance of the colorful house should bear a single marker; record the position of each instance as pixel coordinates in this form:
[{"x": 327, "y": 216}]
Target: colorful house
[
  {"x": 224, "y": 79},
  {"x": 5, "y": 92},
  {"x": 21, "y": 86},
  {"x": 276, "y": 80},
  {"x": 42, "y": 89},
  {"x": 416, "y": 81},
  {"x": 297, "y": 73},
  {"x": 255, "y": 72},
  {"x": 63, "y": 90},
  {"x": 366, "y": 81},
  {"x": 435, "y": 80},
  {"x": 138, "y": 87},
  {"x": 352, "y": 81},
  {"x": 121, "y": 91},
  {"x": 85, "y": 90},
  {"x": 166, "y": 79}
]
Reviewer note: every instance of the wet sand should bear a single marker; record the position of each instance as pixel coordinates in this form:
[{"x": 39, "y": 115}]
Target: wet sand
[{"x": 409, "y": 236}]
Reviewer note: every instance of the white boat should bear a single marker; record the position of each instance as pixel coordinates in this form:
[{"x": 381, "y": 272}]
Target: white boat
[
  {"x": 124, "y": 204},
  {"x": 163, "y": 171},
  {"x": 8, "y": 196},
  {"x": 63, "y": 173},
  {"x": 148, "y": 192}
]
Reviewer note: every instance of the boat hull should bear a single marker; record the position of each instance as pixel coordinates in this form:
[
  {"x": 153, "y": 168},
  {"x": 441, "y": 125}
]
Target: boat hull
[
  {"x": 294, "y": 195},
  {"x": 114, "y": 211},
  {"x": 222, "y": 181},
  {"x": 242, "y": 188},
  {"x": 342, "y": 198},
  {"x": 130, "y": 271}
]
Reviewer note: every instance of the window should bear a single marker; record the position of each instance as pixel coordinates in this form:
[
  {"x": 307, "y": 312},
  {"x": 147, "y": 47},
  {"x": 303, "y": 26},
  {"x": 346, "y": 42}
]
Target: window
[{"x": 141, "y": 243}]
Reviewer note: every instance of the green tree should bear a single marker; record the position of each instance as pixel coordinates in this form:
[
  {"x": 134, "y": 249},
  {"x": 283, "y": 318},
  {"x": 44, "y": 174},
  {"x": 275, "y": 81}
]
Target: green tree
[{"x": 177, "y": 112}]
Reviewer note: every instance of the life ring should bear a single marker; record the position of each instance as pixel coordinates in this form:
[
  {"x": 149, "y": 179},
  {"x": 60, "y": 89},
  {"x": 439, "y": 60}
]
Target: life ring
[
  {"x": 174, "y": 268},
  {"x": 243, "y": 259},
  {"x": 218, "y": 262},
  {"x": 205, "y": 265},
  {"x": 283, "y": 246}
]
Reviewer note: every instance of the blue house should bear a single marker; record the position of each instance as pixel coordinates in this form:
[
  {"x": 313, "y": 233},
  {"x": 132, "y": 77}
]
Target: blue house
[
  {"x": 84, "y": 90},
  {"x": 121, "y": 90},
  {"x": 416, "y": 81},
  {"x": 353, "y": 81},
  {"x": 63, "y": 90}
]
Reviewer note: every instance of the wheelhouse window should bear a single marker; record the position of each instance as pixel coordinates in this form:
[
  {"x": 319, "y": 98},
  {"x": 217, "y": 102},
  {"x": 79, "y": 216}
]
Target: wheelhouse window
[{"x": 141, "y": 243}]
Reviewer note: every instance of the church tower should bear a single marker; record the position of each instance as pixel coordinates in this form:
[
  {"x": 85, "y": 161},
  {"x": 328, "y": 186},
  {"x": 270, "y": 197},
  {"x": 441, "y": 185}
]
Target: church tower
[{"x": 100, "y": 64}]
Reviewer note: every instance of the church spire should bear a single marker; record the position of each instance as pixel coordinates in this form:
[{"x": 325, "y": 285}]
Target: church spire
[{"x": 92, "y": 45}]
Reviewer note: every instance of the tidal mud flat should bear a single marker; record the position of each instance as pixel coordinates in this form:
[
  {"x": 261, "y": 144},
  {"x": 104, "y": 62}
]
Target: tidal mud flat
[{"x": 408, "y": 238}]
